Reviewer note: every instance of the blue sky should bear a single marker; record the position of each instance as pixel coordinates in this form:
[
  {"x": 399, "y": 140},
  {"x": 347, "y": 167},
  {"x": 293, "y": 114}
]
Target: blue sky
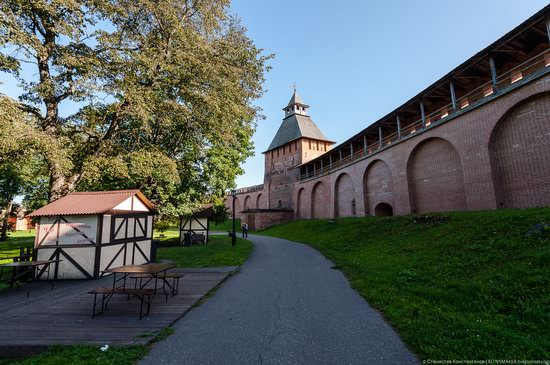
[{"x": 355, "y": 61}]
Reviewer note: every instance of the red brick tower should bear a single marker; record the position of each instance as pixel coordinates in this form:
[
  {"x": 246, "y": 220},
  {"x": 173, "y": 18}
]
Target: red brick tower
[{"x": 297, "y": 141}]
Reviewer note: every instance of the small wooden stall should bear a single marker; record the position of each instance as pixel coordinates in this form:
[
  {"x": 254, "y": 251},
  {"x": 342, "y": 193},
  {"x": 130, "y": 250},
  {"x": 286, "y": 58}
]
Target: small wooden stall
[
  {"x": 197, "y": 224},
  {"x": 91, "y": 232}
]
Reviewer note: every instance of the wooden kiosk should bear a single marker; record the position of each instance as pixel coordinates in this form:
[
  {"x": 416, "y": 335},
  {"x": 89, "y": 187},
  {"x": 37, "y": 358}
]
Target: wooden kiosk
[
  {"x": 197, "y": 224},
  {"x": 91, "y": 232}
]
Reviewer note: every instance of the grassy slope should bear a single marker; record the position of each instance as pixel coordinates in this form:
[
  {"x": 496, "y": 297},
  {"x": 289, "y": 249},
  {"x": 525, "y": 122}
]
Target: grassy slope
[
  {"x": 471, "y": 285},
  {"x": 227, "y": 226},
  {"x": 218, "y": 252}
]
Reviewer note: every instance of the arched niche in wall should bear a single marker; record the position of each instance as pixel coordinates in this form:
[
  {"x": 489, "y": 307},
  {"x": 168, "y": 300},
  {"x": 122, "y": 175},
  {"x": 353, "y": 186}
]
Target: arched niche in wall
[
  {"x": 344, "y": 196},
  {"x": 247, "y": 202},
  {"x": 237, "y": 206},
  {"x": 519, "y": 149},
  {"x": 320, "y": 201},
  {"x": 377, "y": 186},
  {"x": 301, "y": 205},
  {"x": 434, "y": 174},
  {"x": 260, "y": 202}
]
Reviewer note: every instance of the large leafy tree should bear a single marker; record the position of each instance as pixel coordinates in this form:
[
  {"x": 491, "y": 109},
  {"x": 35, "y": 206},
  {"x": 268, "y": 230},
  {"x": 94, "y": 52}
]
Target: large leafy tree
[
  {"x": 161, "y": 93},
  {"x": 23, "y": 149}
]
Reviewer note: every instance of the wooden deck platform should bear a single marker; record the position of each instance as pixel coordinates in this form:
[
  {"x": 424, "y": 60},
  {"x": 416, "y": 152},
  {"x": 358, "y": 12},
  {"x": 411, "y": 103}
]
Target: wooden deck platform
[{"x": 64, "y": 316}]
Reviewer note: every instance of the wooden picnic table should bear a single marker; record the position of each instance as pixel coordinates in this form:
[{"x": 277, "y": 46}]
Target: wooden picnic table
[
  {"x": 22, "y": 268},
  {"x": 156, "y": 271},
  {"x": 145, "y": 295}
]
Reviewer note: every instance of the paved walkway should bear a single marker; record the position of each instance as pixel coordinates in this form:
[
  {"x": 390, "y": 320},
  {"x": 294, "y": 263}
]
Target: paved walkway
[{"x": 285, "y": 306}]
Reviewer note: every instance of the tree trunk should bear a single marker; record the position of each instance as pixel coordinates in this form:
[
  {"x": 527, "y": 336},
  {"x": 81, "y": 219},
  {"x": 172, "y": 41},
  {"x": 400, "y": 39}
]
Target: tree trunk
[
  {"x": 60, "y": 185},
  {"x": 57, "y": 184},
  {"x": 4, "y": 235}
]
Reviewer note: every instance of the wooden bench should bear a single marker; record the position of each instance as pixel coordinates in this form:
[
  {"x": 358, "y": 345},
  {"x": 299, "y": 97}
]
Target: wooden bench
[
  {"x": 144, "y": 296},
  {"x": 175, "y": 276},
  {"x": 198, "y": 238}
]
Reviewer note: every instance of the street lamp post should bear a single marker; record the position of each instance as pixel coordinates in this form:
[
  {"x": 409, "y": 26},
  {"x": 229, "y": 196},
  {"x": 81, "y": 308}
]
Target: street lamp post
[{"x": 234, "y": 235}]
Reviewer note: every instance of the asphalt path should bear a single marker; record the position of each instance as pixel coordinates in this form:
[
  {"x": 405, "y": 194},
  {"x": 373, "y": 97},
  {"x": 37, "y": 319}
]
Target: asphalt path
[{"x": 286, "y": 305}]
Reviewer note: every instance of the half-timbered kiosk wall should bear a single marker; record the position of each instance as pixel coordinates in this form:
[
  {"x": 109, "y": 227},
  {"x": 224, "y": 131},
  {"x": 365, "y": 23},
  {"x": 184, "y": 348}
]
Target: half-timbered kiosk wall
[
  {"x": 197, "y": 223},
  {"x": 116, "y": 228}
]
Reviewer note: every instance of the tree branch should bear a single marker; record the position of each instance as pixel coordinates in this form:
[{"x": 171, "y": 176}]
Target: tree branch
[{"x": 31, "y": 110}]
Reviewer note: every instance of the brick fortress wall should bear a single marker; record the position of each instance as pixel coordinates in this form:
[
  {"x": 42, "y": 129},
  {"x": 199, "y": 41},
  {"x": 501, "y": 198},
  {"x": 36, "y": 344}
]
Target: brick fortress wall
[{"x": 494, "y": 156}]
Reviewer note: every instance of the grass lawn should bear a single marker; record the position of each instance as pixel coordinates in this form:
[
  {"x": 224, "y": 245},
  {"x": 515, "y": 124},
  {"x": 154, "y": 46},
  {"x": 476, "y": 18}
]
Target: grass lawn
[
  {"x": 15, "y": 240},
  {"x": 466, "y": 285},
  {"x": 170, "y": 236},
  {"x": 10, "y": 248},
  {"x": 86, "y": 355},
  {"x": 218, "y": 252}
]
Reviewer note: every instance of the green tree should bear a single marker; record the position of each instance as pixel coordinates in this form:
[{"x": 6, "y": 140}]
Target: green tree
[
  {"x": 22, "y": 151},
  {"x": 16, "y": 177},
  {"x": 164, "y": 90}
]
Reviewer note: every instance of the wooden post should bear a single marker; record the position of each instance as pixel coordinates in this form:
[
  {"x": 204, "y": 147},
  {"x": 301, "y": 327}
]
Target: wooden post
[
  {"x": 340, "y": 153},
  {"x": 548, "y": 28},
  {"x": 330, "y": 162},
  {"x": 453, "y": 94},
  {"x": 365, "y": 144},
  {"x": 423, "y": 114},
  {"x": 321, "y": 166},
  {"x": 314, "y": 169},
  {"x": 307, "y": 172},
  {"x": 493, "y": 73},
  {"x": 380, "y": 136},
  {"x": 351, "y": 150},
  {"x": 398, "y": 127}
]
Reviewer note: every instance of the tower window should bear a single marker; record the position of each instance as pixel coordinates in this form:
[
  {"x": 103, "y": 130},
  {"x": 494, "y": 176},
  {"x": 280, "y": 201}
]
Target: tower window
[{"x": 280, "y": 204}]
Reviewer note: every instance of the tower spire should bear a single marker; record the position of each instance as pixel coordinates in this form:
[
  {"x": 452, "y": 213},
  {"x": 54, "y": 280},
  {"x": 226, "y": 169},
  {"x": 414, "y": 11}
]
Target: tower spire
[{"x": 295, "y": 105}]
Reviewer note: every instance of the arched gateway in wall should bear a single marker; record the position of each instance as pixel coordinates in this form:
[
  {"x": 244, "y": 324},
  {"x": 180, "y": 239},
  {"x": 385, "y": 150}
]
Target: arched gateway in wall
[
  {"x": 435, "y": 178},
  {"x": 377, "y": 187},
  {"x": 383, "y": 210},
  {"x": 320, "y": 201},
  {"x": 520, "y": 155},
  {"x": 344, "y": 196}
]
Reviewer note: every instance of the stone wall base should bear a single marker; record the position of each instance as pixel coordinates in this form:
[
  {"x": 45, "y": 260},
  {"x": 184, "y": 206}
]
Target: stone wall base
[{"x": 261, "y": 219}]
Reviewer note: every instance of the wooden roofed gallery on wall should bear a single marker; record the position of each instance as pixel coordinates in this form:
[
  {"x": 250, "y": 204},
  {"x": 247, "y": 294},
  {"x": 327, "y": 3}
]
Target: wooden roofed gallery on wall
[
  {"x": 195, "y": 227},
  {"x": 93, "y": 231}
]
